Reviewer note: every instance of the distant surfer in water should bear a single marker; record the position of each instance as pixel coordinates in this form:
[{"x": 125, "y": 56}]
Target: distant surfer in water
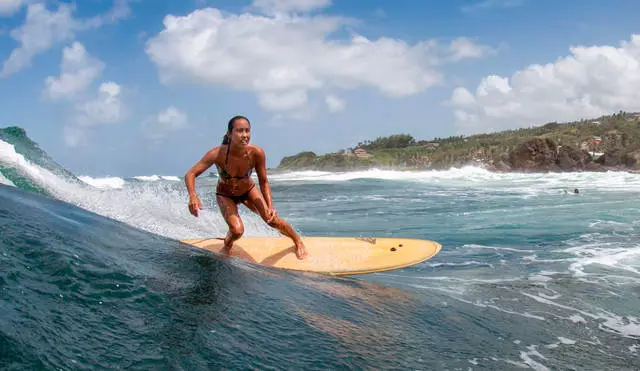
[{"x": 235, "y": 160}]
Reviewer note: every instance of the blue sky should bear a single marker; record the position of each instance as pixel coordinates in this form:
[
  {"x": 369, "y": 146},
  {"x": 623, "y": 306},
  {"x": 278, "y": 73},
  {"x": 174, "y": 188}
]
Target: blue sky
[{"x": 141, "y": 87}]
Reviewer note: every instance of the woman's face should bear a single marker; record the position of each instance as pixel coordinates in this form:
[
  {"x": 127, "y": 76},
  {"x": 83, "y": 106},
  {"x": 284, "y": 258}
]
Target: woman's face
[{"x": 241, "y": 133}]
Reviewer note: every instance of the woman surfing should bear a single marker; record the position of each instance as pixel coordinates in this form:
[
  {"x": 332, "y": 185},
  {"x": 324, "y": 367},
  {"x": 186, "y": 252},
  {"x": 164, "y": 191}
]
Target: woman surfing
[{"x": 235, "y": 159}]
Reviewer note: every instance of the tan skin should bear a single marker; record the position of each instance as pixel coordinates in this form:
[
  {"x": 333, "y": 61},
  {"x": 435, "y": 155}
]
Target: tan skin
[{"x": 242, "y": 155}]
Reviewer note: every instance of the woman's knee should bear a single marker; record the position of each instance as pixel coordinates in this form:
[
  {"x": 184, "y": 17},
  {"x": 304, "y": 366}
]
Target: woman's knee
[{"x": 236, "y": 229}]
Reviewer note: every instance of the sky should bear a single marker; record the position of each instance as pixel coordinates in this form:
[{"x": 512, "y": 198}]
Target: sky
[{"x": 142, "y": 87}]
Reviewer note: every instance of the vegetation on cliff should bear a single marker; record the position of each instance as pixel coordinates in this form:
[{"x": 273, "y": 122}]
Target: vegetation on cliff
[{"x": 602, "y": 143}]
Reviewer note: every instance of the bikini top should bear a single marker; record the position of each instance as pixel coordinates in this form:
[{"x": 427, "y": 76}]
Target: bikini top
[{"x": 224, "y": 174}]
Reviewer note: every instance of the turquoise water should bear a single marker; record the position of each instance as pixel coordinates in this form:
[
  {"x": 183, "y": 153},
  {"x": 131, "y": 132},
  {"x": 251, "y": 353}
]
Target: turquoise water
[{"x": 93, "y": 275}]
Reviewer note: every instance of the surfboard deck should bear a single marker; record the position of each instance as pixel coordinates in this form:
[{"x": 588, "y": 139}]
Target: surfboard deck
[{"x": 328, "y": 255}]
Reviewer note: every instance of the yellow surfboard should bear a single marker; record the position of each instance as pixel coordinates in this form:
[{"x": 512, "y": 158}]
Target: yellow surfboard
[{"x": 328, "y": 255}]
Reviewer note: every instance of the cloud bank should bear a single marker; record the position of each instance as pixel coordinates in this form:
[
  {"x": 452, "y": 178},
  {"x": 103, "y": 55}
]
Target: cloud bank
[
  {"x": 43, "y": 28},
  {"x": 591, "y": 81},
  {"x": 78, "y": 70},
  {"x": 285, "y": 53}
]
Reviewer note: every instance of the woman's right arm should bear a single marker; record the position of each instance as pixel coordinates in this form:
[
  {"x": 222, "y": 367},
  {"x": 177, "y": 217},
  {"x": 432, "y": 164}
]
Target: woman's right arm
[{"x": 190, "y": 179}]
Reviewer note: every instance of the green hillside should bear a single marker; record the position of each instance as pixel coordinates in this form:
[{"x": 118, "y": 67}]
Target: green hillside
[{"x": 619, "y": 136}]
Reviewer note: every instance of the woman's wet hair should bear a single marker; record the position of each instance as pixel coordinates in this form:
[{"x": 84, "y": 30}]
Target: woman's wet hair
[{"x": 226, "y": 139}]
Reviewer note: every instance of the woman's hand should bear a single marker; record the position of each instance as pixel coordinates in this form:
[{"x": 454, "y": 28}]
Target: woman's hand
[
  {"x": 272, "y": 214},
  {"x": 194, "y": 205}
]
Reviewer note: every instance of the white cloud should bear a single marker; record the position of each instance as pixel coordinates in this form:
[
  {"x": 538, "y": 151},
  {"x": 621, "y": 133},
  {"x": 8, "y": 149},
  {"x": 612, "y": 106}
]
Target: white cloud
[
  {"x": 107, "y": 108},
  {"x": 169, "y": 120},
  {"x": 463, "y": 48},
  {"x": 77, "y": 71},
  {"x": 282, "y": 7},
  {"x": 282, "y": 59},
  {"x": 489, "y": 4},
  {"x": 281, "y": 119},
  {"x": 120, "y": 10},
  {"x": 39, "y": 32},
  {"x": 592, "y": 81},
  {"x": 9, "y": 7},
  {"x": 334, "y": 104},
  {"x": 42, "y": 29},
  {"x": 283, "y": 101}
]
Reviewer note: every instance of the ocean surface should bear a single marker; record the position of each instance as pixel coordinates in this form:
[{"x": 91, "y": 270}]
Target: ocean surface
[{"x": 92, "y": 275}]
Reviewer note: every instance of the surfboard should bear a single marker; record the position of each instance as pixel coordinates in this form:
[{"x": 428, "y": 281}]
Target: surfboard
[{"x": 336, "y": 256}]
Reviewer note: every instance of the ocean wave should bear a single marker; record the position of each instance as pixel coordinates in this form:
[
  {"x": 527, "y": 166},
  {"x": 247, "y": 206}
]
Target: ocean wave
[
  {"x": 615, "y": 255},
  {"x": 381, "y": 174},
  {"x": 103, "y": 183},
  {"x": 491, "y": 236},
  {"x": 155, "y": 178},
  {"x": 6, "y": 181},
  {"x": 480, "y": 178},
  {"x": 157, "y": 205},
  {"x": 27, "y": 174}
]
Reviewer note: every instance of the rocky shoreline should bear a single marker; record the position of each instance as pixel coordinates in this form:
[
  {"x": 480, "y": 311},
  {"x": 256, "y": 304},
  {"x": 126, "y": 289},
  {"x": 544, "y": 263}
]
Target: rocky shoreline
[{"x": 543, "y": 155}]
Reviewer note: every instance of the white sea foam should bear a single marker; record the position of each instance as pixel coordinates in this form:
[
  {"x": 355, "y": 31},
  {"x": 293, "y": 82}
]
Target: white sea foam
[
  {"x": 469, "y": 173},
  {"x": 566, "y": 341},
  {"x": 43, "y": 177},
  {"x": 526, "y": 184},
  {"x": 509, "y": 249},
  {"x": 628, "y": 326},
  {"x": 457, "y": 295},
  {"x": 576, "y": 318},
  {"x": 526, "y": 356},
  {"x": 155, "y": 209},
  {"x": 6, "y": 181},
  {"x": 616, "y": 255},
  {"x": 465, "y": 264},
  {"x": 103, "y": 183},
  {"x": 145, "y": 178},
  {"x": 155, "y": 178}
]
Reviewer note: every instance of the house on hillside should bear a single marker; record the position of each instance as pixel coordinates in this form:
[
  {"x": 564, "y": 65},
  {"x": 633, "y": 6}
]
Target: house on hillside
[{"x": 361, "y": 153}]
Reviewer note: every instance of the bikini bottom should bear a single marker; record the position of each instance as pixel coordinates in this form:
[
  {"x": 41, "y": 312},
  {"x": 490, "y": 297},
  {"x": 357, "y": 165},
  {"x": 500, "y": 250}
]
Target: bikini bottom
[{"x": 239, "y": 198}]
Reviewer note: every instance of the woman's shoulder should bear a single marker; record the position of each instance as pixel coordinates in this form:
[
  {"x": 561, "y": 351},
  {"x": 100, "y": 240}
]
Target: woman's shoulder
[
  {"x": 255, "y": 150},
  {"x": 214, "y": 153},
  {"x": 216, "y": 149}
]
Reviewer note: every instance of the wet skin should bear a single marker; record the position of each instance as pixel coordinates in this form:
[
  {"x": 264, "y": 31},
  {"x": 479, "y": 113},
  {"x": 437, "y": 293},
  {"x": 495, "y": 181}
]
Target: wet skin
[{"x": 240, "y": 158}]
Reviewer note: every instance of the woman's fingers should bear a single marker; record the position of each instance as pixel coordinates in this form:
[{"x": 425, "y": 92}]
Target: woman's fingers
[
  {"x": 272, "y": 215},
  {"x": 194, "y": 206}
]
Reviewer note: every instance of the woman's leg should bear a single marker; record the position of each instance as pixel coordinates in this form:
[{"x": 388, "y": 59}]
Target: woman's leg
[
  {"x": 229, "y": 211},
  {"x": 255, "y": 202}
]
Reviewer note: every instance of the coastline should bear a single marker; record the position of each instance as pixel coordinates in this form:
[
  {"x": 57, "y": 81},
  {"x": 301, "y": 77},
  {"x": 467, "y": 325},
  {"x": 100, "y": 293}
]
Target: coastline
[
  {"x": 487, "y": 167},
  {"x": 603, "y": 144}
]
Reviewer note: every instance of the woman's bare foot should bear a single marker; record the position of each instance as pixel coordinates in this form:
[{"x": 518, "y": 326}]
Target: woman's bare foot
[
  {"x": 301, "y": 252},
  {"x": 226, "y": 247}
]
